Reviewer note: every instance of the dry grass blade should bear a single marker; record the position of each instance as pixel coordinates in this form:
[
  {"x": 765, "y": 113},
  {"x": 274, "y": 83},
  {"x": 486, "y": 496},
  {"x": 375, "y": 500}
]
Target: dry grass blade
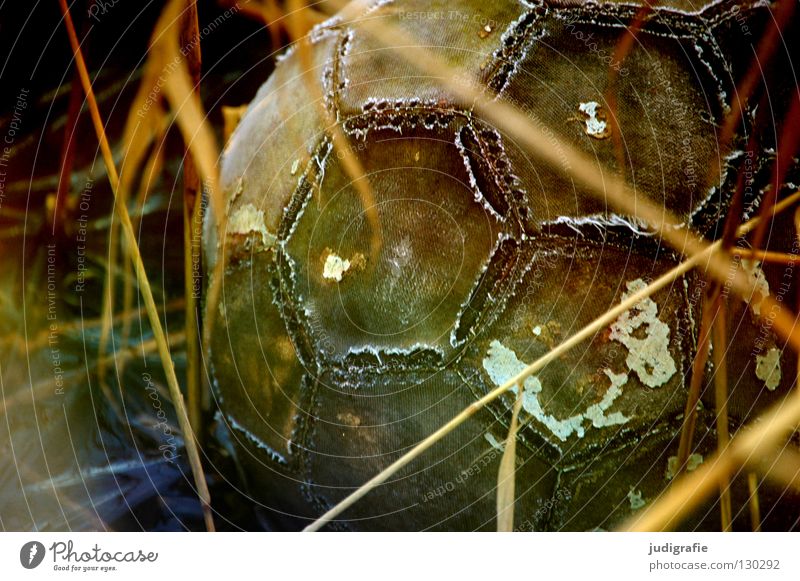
[
  {"x": 231, "y": 116},
  {"x": 797, "y": 234},
  {"x": 767, "y": 46},
  {"x": 753, "y": 503},
  {"x": 272, "y": 15},
  {"x": 152, "y": 169},
  {"x": 787, "y": 146},
  {"x": 167, "y": 59},
  {"x": 783, "y": 467},
  {"x": 506, "y": 474},
  {"x": 623, "y": 48},
  {"x": 766, "y": 256},
  {"x": 141, "y": 274},
  {"x": 145, "y": 131},
  {"x": 721, "y": 401},
  {"x": 192, "y": 229},
  {"x": 41, "y": 338},
  {"x": 40, "y": 389},
  {"x": 695, "y": 385},
  {"x": 185, "y": 102},
  {"x": 107, "y": 315},
  {"x": 68, "y": 144},
  {"x": 710, "y": 318}
]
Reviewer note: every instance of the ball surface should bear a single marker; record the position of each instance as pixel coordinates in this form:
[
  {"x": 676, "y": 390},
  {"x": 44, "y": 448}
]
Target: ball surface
[{"x": 330, "y": 359}]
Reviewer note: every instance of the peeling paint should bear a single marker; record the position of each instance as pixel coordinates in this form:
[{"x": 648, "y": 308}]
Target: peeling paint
[
  {"x": 501, "y": 363},
  {"x": 248, "y": 220},
  {"x": 594, "y": 119},
  {"x": 562, "y": 429},
  {"x": 400, "y": 256},
  {"x": 237, "y": 191},
  {"x": 648, "y": 357},
  {"x": 755, "y": 276},
  {"x": 768, "y": 368},
  {"x": 692, "y": 463},
  {"x": 295, "y": 166},
  {"x": 597, "y": 413},
  {"x": 335, "y": 267},
  {"x": 635, "y": 498},
  {"x": 493, "y": 442}
]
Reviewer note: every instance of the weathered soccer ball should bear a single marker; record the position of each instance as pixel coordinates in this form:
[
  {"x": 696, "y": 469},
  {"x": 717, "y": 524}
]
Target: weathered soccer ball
[{"x": 330, "y": 360}]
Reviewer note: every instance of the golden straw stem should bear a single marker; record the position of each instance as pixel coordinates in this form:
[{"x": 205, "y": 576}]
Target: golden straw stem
[
  {"x": 755, "y": 509},
  {"x": 192, "y": 202},
  {"x": 721, "y": 400},
  {"x": 141, "y": 275},
  {"x": 766, "y": 256}
]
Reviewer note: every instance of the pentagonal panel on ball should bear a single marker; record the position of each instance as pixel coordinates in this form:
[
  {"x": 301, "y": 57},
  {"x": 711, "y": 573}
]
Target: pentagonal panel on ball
[
  {"x": 653, "y": 117},
  {"x": 389, "y": 272},
  {"x": 628, "y": 379}
]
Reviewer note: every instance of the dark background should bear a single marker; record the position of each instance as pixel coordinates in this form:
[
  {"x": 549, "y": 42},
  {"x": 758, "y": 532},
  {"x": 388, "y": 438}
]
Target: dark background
[{"x": 68, "y": 459}]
